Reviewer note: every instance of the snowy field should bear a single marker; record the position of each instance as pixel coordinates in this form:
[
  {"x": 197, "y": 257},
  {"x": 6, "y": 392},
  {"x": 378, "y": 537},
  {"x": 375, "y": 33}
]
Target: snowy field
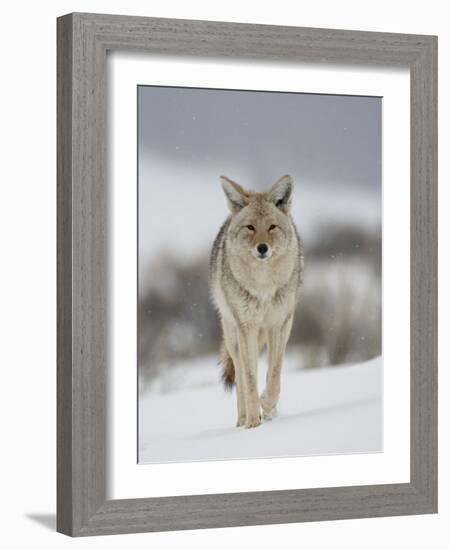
[{"x": 185, "y": 415}]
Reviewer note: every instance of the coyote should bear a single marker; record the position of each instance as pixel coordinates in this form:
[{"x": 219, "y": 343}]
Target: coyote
[{"x": 256, "y": 271}]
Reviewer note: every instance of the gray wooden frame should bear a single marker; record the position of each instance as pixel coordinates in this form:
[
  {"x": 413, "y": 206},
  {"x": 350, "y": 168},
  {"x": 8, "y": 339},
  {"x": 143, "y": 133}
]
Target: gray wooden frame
[{"x": 83, "y": 40}]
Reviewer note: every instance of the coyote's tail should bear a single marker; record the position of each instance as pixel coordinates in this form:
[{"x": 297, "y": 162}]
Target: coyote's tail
[{"x": 228, "y": 372}]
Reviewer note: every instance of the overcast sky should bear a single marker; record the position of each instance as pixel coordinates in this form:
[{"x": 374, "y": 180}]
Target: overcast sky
[
  {"x": 259, "y": 136},
  {"x": 330, "y": 145}
]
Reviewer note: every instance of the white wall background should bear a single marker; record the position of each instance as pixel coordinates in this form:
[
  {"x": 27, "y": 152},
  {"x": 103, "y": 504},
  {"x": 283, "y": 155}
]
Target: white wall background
[{"x": 27, "y": 286}]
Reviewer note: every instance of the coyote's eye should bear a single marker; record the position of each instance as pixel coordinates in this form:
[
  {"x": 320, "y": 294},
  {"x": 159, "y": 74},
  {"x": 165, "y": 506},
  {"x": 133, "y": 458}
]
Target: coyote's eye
[
  {"x": 272, "y": 227},
  {"x": 250, "y": 227}
]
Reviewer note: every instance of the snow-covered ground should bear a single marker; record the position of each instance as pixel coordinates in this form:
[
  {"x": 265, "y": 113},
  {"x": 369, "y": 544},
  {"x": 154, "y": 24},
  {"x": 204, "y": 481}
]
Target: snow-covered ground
[{"x": 185, "y": 415}]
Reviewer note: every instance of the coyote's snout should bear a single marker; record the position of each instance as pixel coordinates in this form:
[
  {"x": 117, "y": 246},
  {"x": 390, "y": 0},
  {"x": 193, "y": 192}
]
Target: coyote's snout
[{"x": 256, "y": 271}]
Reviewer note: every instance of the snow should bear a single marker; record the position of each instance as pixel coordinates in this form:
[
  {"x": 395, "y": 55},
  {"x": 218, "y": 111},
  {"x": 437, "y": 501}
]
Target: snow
[{"x": 185, "y": 415}]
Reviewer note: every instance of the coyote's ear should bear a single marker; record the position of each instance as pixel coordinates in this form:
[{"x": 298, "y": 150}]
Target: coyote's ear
[
  {"x": 281, "y": 193},
  {"x": 236, "y": 195}
]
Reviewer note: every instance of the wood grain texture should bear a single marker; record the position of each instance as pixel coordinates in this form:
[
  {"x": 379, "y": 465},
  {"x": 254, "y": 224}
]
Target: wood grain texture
[
  {"x": 64, "y": 277},
  {"x": 423, "y": 273},
  {"x": 83, "y": 40}
]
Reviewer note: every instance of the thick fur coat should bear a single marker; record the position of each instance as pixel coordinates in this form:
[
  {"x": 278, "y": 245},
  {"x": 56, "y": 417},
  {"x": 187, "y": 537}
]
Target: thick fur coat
[{"x": 256, "y": 272}]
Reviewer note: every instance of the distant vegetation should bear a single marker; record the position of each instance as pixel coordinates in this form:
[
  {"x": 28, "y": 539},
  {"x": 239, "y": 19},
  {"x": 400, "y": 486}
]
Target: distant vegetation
[{"x": 338, "y": 319}]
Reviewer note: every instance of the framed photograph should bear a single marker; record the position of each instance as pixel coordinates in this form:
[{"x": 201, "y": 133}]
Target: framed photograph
[{"x": 247, "y": 274}]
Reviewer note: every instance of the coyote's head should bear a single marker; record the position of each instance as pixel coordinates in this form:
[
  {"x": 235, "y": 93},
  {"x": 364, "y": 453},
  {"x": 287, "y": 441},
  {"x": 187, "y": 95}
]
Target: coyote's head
[{"x": 260, "y": 226}]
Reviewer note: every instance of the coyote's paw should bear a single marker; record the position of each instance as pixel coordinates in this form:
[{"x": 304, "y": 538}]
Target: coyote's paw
[
  {"x": 267, "y": 416},
  {"x": 253, "y": 422},
  {"x": 268, "y": 407},
  {"x": 241, "y": 421}
]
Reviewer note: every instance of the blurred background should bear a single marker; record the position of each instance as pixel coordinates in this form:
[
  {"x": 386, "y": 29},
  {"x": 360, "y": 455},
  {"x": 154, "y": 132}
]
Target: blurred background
[{"x": 331, "y": 145}]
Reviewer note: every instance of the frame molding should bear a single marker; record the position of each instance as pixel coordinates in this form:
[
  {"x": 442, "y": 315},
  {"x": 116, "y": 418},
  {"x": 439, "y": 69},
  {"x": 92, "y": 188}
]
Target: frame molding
[{"x": 83, "y": 40}]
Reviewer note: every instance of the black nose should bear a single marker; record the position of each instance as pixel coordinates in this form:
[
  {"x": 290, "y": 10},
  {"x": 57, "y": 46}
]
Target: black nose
[{"x": 262, "y": 249}]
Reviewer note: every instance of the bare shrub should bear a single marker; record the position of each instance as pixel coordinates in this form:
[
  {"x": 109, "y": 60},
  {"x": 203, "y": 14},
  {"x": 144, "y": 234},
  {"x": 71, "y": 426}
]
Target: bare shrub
[
  {"x": 339, "y": 314},
  {"x": 176, "y": 318}
]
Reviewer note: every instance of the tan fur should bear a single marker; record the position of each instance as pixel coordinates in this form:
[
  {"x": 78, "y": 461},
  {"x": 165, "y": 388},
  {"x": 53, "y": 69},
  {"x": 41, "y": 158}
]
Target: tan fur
[{"x": 255, "y": 276}]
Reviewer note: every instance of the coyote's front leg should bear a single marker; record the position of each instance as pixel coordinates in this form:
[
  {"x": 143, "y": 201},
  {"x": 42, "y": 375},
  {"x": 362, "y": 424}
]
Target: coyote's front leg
[
  {"x": 241, "y": 403},
  {"x": 231, "y": 342},
  {"x": 248, "y": 352},
  {"x": 277, "y": 341}
]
